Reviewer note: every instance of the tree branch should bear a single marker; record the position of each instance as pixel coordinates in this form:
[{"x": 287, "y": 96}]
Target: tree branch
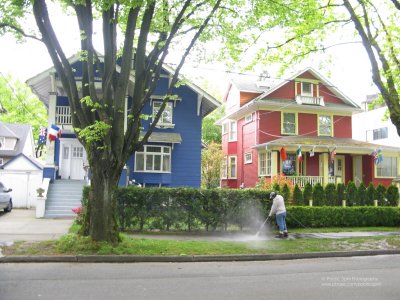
[{"x": 20, "y": 31}]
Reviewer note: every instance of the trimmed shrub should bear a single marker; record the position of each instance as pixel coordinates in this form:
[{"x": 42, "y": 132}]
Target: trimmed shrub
[
  {"x": 330, "y": 194},
  {"x": 297, "y": 196},
  {"x": 307, "y": 193},
  {"x": 351, "y": 193},
  {"x": 285, "y": 192},
  {"x": 318, "y": 195},
  {"x": 380, "y": 194},
  {"x": 370, "y": 194},
  {"x": 361, "y": 195},
  {"x": 357, "y": 216},
  {"x": 392, "y": 195}
]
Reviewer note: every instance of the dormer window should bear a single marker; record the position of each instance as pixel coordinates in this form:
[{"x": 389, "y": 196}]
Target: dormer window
[
  {"x": 306, "y": 88},
  {"x": 166, "y": 116}
]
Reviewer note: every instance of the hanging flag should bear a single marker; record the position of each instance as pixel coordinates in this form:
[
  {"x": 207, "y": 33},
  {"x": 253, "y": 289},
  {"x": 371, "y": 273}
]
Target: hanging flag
[
  {"x": 299, "y": 155},
  {"x": 333, "y": 154},
  {"x": 375, "y": 156},
  {"x": 42, "y": 136},
  {"x": 312, "y": 152},
  {"x": 54, "y": 132},
  {"x": 380, "y": 156},
  {"x": 283, "y": 154}
]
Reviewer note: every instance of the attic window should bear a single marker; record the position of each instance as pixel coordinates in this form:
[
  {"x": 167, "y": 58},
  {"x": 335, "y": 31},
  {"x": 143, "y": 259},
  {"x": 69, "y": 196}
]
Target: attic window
[{"x": 306, "y": 88}]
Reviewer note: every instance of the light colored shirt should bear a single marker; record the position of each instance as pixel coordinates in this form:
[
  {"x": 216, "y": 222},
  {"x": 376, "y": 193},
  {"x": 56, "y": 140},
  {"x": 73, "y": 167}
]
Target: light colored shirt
[{"x": 278, "y": 206}]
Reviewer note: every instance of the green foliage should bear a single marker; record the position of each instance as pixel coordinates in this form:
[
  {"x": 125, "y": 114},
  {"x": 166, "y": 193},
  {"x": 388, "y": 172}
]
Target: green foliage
[
  {"x": 351, "y": 194},
  {"x": 342, "y": 216},
  {"x": 341, "y": 193},
  {"x": 370, "y": 194},
  {"x": 331, "y": 194},
  {"x": 307, "y": 193},
  {"x": 211, "y": 160},
  {"x": 392, "y": 195},
  {"x": 285, "y": 192},
  {"x": 361, "y": 195},
  {"x": 297, "y": 196},
  {"x": 318, "y": 195},
  {"x": 20, "y": 105},
  {"x": 380, "y": 194},
  {"x": 211, "y": 132},
  {"x": 94, "y": 133}
]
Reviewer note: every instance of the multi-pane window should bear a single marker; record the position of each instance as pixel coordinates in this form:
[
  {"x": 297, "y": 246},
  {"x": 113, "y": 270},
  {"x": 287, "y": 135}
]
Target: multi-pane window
[
  {"x": 325, "y": 125},
  {"x": 288, "y": 123},
  {"x": 232, "y": 131},
  {"x": 224, "y": 168},
  {"x": 387, "y": 167},
  {"x": 306, "y": 88},
  {"x": 156, "y": 159},
  {"x": 224, "y": 128},
  {"x": 248, "y": 158},
  {"x": 380, "y": 133},
  {"x": 166, "y": 116},
  {"x": 248, "y": 118},
  {"x": 264, "y": 163},
  {"x": 232, "y": 167},
  {"x": 289, "y": 165},
  {"x": 77, "y": 152}
]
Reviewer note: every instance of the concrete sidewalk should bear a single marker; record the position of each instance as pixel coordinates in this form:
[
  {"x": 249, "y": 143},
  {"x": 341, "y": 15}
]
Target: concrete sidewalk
[{"x": 21, "y": 224}]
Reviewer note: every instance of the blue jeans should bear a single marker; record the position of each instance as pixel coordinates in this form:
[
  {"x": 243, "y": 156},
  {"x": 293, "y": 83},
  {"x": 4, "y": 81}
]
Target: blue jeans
[{"x": 281, "y": 221}]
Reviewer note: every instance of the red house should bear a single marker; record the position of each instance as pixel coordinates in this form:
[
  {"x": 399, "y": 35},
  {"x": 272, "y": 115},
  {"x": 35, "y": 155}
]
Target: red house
[{"x": 301, "y": 128}]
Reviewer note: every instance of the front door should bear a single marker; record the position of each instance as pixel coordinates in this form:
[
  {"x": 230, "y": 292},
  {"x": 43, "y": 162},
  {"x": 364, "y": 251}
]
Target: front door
[
  {"x": 72, "y": 158},
  {"x": 339, "y": 168}
]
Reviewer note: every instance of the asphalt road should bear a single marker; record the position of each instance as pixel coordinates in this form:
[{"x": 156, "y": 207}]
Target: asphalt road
[{"x": 374, "y": 277}]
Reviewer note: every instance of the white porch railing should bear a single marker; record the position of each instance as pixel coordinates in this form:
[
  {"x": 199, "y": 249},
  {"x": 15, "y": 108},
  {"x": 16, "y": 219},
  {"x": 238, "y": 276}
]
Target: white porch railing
[
  {"x": 310, "y": 100},
  {"x": 301, "y": 181},
  {"x": 63, "y": 115}
]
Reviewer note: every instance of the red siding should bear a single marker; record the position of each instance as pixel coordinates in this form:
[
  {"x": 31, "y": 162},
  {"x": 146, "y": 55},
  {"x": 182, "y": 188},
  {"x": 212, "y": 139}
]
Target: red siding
[
  {"x": 307, "y": 75},
  {"x": 312, "y": 165},
  {"x": 368, "y": 169},
  {"x": 329, "y": 97},
  {"x": 284, "y": 92},
  {"x": 385, "y": 181},
  {"x": 348, "y": 168},
  {"x": 342, "y": 127},
  {"x": 269, "y": 126},
  {"x": 307, "y": 124},
  {"x": 232, "y": 146}
]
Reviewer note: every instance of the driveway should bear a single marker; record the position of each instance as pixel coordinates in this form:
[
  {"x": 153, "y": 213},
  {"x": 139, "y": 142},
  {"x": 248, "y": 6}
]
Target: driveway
[{"x": 22, "y": 225}]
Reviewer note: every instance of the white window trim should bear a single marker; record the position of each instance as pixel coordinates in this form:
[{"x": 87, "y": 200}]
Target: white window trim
[
  {"x": 224, "y": 129},
  {"x": 248, "y": 118},
  {"x": 160, "y": 123},
  {"x": 229, "y": 167},
  {"x": 312, "y": 89},
  {"x": 224, "y": 168},
  {"x": 162, "y": 153},
  {"x": 248, "y": 161},
  {"x": 397, "y": 168},
  {"x": 230, "y": 137}
]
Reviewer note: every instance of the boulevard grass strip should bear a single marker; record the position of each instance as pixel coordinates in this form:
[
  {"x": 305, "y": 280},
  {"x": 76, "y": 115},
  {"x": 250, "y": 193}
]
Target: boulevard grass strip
[{"x": 71, "y": 244}]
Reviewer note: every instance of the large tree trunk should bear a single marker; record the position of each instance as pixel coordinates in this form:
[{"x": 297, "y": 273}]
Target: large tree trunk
[{"x": 102, "y": 223}]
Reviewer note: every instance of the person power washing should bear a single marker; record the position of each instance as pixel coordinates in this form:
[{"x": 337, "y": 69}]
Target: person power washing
[{"x": 278, "y": 208}]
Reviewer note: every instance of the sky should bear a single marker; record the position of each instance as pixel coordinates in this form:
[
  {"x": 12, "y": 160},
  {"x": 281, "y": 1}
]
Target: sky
[{"x": 349, "y": 68}]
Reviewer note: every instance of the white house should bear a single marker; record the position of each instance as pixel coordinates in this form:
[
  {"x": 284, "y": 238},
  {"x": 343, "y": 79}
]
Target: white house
[
  {"x": 19, "y": 169},
  {"x": 371, "y": 126}
]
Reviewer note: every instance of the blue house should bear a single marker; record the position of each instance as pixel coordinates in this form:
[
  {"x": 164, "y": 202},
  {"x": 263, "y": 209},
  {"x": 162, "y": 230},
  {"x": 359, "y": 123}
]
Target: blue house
[{"x": 172, "y": 156}]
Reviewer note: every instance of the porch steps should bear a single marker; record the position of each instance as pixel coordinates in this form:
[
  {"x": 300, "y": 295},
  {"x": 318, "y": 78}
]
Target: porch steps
[{"x": 62, "y": 197}]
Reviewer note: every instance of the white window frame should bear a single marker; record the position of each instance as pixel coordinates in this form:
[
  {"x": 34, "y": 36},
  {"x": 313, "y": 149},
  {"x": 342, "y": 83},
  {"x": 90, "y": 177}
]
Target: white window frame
[
  {"x": 165, "y": 151},
  {"x": 248, "y": 157},
  {"x": 232, "y": 161},
  {"x": 224, "y": 129},
  {"x": 383, "y": 167},
  {"x": 264, "y": 163},
  {"x": 232, "y": 131},
  {"x": 295, "y": 123},
  {"x": 224, "y": 168},
  {"x": 380, "y": 133},
  {"x": 248, "y": 118},
  {"x": 169, "y": 108},
  {"x": 309, "y": 94},
  {"x": 319, "y": 125}
]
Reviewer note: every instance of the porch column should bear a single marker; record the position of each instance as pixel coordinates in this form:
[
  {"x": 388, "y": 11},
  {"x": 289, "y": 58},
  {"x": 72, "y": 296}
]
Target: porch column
[
  {"x": 274, "y": 163},
  {"x": 325, "y": 168}
]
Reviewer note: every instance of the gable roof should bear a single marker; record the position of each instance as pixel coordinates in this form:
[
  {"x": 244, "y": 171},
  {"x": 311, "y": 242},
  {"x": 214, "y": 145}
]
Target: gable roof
[
  {"x": 17, "y": 131},
  {"x": 32, "y": 160},
  {"x": 41, "y": 85}
]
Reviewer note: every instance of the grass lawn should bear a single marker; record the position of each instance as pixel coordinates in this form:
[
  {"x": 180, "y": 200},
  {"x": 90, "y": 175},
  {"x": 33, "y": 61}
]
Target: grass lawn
[{"x": 72, "y": 244}]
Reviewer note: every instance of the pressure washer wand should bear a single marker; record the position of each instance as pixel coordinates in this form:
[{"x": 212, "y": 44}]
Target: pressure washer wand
[{"x": 261, "y": 227}]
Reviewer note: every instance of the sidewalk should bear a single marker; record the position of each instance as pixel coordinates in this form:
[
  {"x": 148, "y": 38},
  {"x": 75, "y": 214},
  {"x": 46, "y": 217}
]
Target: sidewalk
[{"x": 21, "y": 224}]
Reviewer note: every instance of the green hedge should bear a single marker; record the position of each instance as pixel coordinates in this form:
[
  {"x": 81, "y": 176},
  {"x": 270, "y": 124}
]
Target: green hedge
[{"x": 356, "y": 216}]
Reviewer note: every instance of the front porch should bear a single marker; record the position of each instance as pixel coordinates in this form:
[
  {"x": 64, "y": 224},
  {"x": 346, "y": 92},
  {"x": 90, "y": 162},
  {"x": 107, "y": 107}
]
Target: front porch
[{"x": 301, "y": 181}]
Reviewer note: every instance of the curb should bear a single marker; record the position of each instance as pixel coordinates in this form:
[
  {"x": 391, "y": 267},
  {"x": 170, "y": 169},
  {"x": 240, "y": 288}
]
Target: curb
[{"x": 194, "y": 258}]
